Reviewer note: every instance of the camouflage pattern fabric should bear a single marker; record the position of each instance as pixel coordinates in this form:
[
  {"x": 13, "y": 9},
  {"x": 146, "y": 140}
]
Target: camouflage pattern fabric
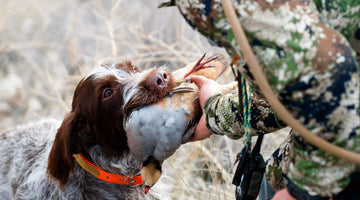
[
  {"x": 305, "y": 54},
  {"x": 228, "y": 121}
]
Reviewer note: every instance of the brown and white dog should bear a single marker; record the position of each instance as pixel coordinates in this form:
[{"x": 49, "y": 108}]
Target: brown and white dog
[
  {"x": 38, "y": 160},
  {"x": 87, "y": 156}
]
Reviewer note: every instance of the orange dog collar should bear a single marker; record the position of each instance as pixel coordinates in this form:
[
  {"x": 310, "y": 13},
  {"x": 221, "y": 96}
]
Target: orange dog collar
[{"x": 106, "y": 176}]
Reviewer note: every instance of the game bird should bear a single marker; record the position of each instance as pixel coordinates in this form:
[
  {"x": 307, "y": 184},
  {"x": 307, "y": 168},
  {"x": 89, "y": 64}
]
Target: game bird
[{"x": 155, "y": 131}]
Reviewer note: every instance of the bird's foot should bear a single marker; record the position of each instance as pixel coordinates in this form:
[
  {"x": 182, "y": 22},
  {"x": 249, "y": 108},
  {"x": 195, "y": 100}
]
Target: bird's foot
[{"x": 199, "y": 66}]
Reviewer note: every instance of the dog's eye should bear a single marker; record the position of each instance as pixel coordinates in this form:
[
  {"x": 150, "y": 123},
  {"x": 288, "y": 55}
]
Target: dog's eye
[{"x": 107, "y": 93}]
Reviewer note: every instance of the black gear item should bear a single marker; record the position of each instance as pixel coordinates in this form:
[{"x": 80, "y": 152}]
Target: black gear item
[{"x": 249, "y": 172}]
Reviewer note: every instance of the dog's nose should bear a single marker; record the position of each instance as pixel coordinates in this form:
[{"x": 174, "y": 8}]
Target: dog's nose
[{"x": 159, "y": 80}]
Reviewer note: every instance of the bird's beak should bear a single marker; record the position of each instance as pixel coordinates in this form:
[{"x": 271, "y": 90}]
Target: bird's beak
[{"x": 147, "y": 188}]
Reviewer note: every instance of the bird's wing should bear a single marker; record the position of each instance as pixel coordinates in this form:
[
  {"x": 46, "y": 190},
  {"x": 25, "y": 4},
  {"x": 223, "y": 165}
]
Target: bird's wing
[{"x": 155, "y": 130}]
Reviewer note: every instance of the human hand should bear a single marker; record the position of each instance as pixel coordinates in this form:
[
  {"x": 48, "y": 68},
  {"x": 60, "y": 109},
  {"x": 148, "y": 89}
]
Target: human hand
[
  {"x": 283, "y": 195},
  {"x": 207, "y": 89}
]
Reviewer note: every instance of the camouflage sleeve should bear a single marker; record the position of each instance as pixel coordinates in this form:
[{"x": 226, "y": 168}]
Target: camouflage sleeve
[
  {"x": 309, "y": 65},
  {"x": 223, "y": 118},
  {"x": 342, "y": 15}
]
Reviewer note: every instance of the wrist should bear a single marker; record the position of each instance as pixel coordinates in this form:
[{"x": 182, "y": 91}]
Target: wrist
[{"x": 208, "y": 101}]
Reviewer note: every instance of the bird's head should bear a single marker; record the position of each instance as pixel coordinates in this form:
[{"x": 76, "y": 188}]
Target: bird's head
[{"x": 150, "y": 172}]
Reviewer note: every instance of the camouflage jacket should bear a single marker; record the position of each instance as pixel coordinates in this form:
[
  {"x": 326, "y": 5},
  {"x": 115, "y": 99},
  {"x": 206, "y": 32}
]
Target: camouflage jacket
[{"x": 303, "y": 48}]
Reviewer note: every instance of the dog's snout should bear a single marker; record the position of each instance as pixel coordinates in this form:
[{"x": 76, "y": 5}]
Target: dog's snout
[{"x": 160, "y": 79}]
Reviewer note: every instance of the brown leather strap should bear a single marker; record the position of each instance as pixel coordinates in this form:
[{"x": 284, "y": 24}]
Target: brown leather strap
[{"x": 270, "y": 96}]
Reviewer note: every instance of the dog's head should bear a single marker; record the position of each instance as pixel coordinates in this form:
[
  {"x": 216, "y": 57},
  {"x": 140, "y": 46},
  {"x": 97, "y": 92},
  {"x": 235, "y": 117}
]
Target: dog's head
[{"x": 101, "y": 101}]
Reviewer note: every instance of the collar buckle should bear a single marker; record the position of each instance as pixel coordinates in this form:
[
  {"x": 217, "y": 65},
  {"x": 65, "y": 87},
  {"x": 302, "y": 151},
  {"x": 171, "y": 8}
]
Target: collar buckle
[
  {"x": 135, "y": 180},
  {"x": 131, "y": 182}
]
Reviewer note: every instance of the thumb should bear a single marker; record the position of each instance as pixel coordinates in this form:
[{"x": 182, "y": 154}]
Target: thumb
[
  {"x": 207, "y": 87},
  {"x": 199, "y": 80}
]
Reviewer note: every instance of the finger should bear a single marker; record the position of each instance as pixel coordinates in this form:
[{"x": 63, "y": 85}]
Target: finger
[{"x": 199, "y": 80}]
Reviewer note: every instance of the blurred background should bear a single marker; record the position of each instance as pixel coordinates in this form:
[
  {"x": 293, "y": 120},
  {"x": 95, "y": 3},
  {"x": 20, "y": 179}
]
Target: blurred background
[{"x": 46, "y": 47}]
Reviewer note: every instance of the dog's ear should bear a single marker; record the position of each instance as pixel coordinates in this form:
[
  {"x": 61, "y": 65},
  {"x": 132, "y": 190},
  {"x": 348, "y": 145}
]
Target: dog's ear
[{"x": 61, "y": 162}]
